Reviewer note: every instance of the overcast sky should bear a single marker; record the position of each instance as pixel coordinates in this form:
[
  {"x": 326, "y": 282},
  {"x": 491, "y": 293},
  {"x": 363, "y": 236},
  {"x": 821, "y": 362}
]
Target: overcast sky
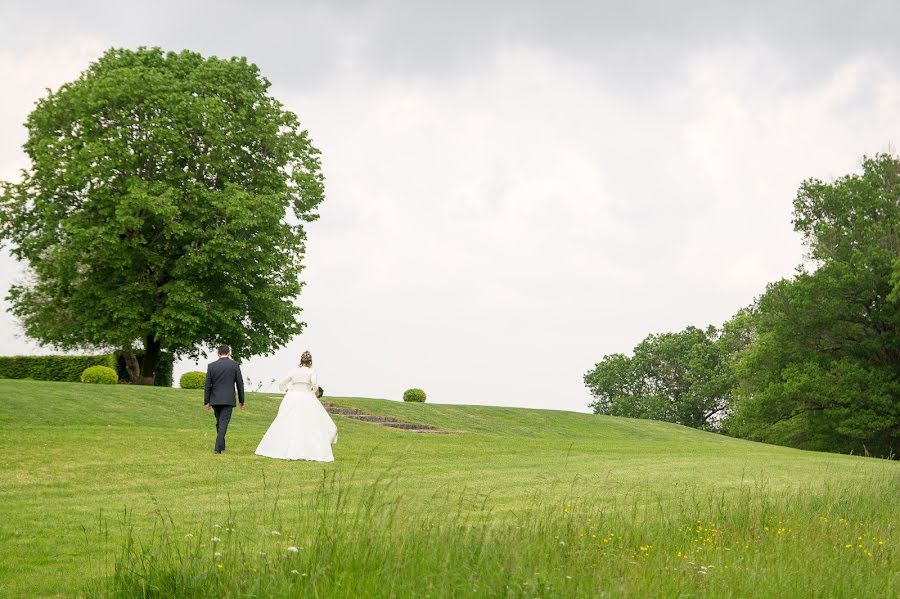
[{"x": 515, "y": 189}]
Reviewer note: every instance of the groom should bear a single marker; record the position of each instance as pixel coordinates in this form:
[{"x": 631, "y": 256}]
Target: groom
[{"x": 222, "y": 376}]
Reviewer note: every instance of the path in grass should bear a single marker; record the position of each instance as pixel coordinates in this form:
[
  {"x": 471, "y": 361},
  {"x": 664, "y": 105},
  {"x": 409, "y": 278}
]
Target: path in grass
[{"x": 69, "y": 452}]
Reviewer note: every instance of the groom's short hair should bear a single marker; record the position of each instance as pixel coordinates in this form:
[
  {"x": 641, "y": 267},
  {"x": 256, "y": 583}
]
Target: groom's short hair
[{"x": 224, "y": 350}]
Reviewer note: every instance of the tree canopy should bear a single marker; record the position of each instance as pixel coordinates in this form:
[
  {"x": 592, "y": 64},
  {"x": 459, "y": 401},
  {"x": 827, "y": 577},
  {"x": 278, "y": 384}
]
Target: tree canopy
[
  {"x": 677, "y": 377},
  {"x": 814, "y": 362},
  {"x": 824, "y": 370},
  {"x": 164, "y": 208}
]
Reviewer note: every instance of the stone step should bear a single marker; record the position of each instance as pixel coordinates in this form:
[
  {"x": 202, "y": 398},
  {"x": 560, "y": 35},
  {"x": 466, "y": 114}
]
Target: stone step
[
  {"x": 389, "y": 421},
  {"x": 409, "y": 425},
  {"x": 343, "y": 411},
  {"x": 372, "y": 418}
]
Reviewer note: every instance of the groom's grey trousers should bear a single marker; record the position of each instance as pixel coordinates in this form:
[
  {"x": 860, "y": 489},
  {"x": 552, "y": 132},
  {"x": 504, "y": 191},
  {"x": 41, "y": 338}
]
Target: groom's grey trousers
[{"x": 223, "y": 417}]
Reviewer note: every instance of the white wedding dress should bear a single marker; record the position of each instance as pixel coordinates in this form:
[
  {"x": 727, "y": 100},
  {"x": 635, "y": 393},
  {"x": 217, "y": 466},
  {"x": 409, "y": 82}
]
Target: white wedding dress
[{"x": 302, "y": 430}]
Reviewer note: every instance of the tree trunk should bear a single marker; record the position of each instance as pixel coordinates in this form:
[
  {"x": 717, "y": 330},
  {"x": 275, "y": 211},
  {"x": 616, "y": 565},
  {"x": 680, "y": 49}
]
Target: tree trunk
[
  {"x": 131, "y": 363},
  {"x": 142, "y": 372},
  {"x": 152, "y": 352}
]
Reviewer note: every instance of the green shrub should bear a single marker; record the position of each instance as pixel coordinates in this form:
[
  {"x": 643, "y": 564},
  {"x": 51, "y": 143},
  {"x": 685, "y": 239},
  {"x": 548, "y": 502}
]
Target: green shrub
[
  {"x": 192, "y": 380},
  {"x": 99, "y": 375},
  {"x": 50, "y": 368},
  {"x": 163, "y": 376},
  {"x": 414, "y": 395}
]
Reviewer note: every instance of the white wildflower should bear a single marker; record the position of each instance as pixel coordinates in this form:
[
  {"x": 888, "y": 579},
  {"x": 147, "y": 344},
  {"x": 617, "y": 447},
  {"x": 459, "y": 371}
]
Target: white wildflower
[
  {"x": 215, "y": 539},
  {"x": 293, "y": 549},
  {"x": 275, "y": 533},
  {"x": 218, "y": 554}
]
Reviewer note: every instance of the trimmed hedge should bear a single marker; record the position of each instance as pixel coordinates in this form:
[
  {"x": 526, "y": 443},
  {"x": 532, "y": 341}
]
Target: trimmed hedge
[
  {"x": 99, "y": 375},
  {"x": 163, "y": 370},
  {"x": 50, "y": 368},
  {"x": 416, "y": 395},
  {"x": 192, "y": 380}
]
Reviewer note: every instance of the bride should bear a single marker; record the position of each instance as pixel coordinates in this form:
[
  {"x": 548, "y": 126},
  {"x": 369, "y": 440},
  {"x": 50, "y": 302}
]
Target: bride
[{"x": 302, "y": 430}]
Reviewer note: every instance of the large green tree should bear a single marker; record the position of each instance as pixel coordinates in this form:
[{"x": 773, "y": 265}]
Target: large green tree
[
  {"x": 823, "y": 371},
  {"x": 163, "y": 210},
  {"x": 680, "y": 377}
]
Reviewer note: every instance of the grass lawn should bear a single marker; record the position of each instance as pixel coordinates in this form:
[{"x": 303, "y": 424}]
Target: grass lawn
[{"x": 116, "y": 491}]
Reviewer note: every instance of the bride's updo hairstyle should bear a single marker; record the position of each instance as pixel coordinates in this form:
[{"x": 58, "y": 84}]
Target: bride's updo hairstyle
[{"x": 306, "y": 359}]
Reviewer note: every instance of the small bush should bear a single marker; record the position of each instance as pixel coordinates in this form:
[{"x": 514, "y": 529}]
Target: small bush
[
  {"x": 414, "y": 395},
  {"x": 192, "y": 380},
  {"x": 99, "y": 375}
]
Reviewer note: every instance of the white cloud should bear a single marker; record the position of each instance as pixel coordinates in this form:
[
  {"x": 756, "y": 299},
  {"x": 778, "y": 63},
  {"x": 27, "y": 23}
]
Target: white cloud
[{"x": 491, "y": 236}]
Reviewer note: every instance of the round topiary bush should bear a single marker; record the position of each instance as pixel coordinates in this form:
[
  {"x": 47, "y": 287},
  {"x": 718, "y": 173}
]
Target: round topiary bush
[
  {"x": 99, "y": 375},
  {"x": 192, "y": 380},
  {"x": 414, "y": 395}
]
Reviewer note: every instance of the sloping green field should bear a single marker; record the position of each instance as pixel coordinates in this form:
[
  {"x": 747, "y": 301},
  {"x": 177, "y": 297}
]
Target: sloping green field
[{"x": 87, "y": 469}]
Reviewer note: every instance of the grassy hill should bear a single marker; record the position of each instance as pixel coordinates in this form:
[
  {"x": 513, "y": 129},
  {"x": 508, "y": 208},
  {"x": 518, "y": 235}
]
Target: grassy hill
[{"x": 101, "y": 484}]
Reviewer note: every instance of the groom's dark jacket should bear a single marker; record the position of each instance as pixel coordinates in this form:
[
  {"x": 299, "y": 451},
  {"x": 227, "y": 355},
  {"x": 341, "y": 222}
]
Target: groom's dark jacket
[{"x": 222, "y": 376}]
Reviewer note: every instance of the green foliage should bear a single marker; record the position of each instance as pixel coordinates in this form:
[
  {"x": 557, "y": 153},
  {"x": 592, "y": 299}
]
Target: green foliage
[
  {"x": 99, "y": 375},
  {"x": 49, "y": 368},
  {"x": 823, "y": 370},
  {"x": 813, "y": 363},
  {"x": 164, "y": 208},
  {"x": 676, "y": 377},
  {"x": 414, "y": 394},
  {"x": 164, "y": 368},
  {"x": 192, "y": 380},
  {"x": 895, "y": 281}
]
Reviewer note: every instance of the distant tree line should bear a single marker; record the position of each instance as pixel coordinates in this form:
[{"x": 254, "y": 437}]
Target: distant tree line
[{"x": 814, "y": 362}]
